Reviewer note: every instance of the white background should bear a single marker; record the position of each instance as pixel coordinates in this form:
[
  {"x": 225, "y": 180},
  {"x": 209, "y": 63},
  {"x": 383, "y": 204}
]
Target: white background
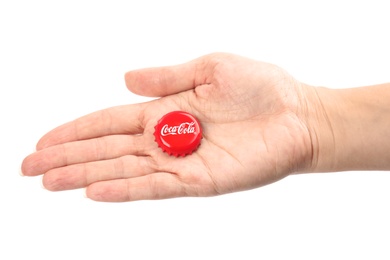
[{"x": 62, "y": 59}]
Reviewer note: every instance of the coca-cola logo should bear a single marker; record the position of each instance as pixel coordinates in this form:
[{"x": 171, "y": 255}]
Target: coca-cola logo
[{"x": 183, "y": 128}]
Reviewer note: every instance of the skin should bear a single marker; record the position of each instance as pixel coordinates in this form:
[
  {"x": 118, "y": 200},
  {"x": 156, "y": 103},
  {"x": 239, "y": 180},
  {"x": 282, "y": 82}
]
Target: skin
[{"x": 259, "y": 123}]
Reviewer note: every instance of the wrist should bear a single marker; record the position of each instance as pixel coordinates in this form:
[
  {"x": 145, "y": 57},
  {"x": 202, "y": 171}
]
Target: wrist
[
  {"x": 349, "y": 128},
  {"x": 318, "y": 115}
]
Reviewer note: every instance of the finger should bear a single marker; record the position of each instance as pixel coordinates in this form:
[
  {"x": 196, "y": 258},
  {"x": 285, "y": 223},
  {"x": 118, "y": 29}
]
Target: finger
[
  {"x": 116, "y": 120},
  {"x": 159, "y": 185},
  {"x": 163, "y": 81},
  {"x": 81, "y": 175},
  {"x": 96, "y": 149}
]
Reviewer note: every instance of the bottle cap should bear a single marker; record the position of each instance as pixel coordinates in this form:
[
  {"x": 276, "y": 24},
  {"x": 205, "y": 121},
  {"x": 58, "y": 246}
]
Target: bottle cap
[{"x": 178, "y": 133}]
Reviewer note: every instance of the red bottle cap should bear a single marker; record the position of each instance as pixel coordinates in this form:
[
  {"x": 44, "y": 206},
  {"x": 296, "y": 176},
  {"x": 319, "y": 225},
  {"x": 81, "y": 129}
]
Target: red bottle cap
[{"x": 178, "y": 133}]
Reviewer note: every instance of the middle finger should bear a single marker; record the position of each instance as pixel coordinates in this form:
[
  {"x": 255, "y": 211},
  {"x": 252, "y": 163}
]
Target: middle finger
[
  {"x": 102, "y": 148},
  {"x": 81, "y": 175}
]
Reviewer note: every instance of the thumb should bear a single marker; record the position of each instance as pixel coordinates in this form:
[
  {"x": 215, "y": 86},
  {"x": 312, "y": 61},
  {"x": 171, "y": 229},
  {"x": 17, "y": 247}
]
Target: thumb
[{"x": 163, "y": 81}]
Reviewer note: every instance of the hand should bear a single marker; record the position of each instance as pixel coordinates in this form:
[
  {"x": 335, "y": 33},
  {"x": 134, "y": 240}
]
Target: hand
[{"x": 253, "y": 121}]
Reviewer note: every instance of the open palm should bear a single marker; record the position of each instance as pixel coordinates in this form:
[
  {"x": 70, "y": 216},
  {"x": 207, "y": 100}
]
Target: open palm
[{"x": 251, "y": 114}]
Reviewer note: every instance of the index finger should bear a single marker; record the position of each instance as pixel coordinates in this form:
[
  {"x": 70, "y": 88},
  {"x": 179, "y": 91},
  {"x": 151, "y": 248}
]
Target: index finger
[{"x": 127, "y": 119}]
